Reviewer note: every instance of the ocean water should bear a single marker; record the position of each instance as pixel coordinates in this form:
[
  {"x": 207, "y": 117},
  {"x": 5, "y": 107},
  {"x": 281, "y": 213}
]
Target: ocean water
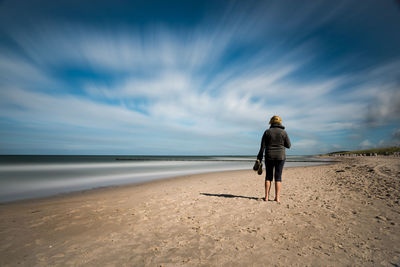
[{"x": 25, "y": 177}]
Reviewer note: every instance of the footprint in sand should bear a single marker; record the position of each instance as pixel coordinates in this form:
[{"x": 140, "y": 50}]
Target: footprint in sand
[
  {"x": 38, "y": 241},
  {"x": 60, "y": 228},
  {"x": 59, "y": 255},
  {"x": 36, "y": 224}
]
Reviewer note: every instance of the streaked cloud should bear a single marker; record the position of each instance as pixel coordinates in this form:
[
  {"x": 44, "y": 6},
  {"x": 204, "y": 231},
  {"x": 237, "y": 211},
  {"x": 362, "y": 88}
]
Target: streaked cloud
[{"x": 208, "y": 89}]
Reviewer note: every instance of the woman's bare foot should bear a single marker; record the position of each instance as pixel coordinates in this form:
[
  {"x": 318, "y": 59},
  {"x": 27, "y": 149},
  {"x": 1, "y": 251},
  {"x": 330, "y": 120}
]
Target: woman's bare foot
[
  {"x": 277, "y": 200},
  {"x": 265, "y": 198}
]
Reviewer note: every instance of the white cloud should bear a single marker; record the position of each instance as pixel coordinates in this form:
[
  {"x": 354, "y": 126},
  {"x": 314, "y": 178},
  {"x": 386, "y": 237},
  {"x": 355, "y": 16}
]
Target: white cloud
[
  {"x": 14, "y": 69},
  {"x": 181, "y": 101},
  {"x": 38, "y": 107},
  {"x": 305, "y": 143},
  {"x": 385, "y": 107},
  {"x": 366, "y": 144}
]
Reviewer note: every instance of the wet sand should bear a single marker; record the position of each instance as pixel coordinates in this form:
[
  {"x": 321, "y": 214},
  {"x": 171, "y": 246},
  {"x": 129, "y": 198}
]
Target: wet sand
[{"x": 342, "y": 214}]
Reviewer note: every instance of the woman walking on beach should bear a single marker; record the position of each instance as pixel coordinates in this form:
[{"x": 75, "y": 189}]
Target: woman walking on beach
[{"x": 274, "y": 142}]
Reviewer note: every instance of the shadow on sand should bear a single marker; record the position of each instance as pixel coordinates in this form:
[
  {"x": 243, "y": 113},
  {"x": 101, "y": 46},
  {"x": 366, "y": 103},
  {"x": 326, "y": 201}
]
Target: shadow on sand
[{"x": 228, "y": 196}]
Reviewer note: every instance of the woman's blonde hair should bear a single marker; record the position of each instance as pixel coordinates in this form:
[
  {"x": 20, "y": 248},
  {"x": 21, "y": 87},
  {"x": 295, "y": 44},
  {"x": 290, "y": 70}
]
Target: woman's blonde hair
[{"x": 275, "y": 119}]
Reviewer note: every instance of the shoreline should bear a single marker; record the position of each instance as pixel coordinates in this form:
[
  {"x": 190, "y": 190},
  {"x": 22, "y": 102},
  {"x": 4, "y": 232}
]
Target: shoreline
[
  {"x": 128, "y": 184},
  {"x": 116, "y": 187},
  {"x": 334, "y": 214}
]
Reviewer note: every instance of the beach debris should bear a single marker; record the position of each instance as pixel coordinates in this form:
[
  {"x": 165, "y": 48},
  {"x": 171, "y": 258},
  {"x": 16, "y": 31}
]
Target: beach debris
[
  {"x": 339, "y": 170},
  {"x": 380, "y": 218},
  {"x": 283, "y": 235}
]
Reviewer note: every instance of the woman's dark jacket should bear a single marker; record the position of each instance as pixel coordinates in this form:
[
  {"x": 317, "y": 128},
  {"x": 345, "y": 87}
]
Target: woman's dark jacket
[{"x": 274, "y": 141}]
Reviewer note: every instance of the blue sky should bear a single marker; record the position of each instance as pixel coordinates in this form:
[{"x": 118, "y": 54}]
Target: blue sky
[{"x": 197, "y": 77}]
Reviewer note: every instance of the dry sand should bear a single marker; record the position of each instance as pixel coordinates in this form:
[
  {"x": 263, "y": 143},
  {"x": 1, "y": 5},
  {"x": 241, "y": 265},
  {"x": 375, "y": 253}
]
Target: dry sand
[{"x": 342, "y": 214}]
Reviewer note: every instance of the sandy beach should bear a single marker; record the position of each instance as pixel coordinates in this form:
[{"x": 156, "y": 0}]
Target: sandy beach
[{"x": 347, "y": 213}]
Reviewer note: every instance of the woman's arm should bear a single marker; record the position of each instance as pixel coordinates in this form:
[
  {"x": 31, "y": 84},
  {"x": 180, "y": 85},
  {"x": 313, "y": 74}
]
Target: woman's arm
[
  {"x": 262, "y": 148},
  {"x": 287, "y": 141}
]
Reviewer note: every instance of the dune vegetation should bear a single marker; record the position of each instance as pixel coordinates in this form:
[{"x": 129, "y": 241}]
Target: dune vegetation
[{"x": 379, "y": 151}]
